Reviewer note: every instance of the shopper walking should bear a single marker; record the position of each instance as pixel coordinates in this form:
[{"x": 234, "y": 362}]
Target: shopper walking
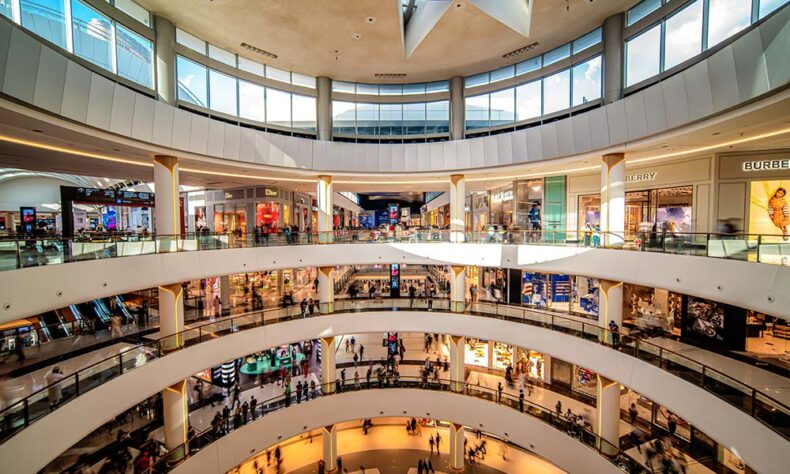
[
  {"x": 115, "y": 326},
  {"x": 287, "y": 395},
  {"x": 54, "y": 390},
  {"x": 499, "y": 392},
  {"x": 632, "y": 413},
  {"x": 431, "y": 442},
  {"x": 438, "y": 442},
  {"x": 361, "y": 352},
  {"x": 521, "y": 400}
]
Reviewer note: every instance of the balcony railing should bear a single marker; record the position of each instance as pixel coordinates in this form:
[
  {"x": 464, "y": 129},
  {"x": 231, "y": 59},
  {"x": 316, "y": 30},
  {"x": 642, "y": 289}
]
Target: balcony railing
[
  {"x": 751, "y": 400},
  {"x": 37, "y": 251}
]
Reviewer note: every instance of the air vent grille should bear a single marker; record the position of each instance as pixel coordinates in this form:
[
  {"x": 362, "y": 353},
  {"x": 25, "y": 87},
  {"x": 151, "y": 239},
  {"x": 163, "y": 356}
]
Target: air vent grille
[
  {"x": 260, "y": 51},
  {"x": 390, "y": 76},
  {"x": 519, "y": 51}
]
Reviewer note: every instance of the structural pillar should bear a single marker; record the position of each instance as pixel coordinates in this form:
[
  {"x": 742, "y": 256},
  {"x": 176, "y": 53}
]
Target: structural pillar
[
  {"x": 610, "y": 306},
  {"x": 324, "y": 199},
  {"x": 224, "y": 294},
  {"x": 457, "y": 373},
  {"x": 329, "y": 435},
  {"x": 613, "y": 200},
  {"x": 457, "y": 207},
  {"x": 457, "y": 447},
  {"x": 175, "y": 406},
  {"x": 326, "y": 289},
  {"x": 458, "y": 288},
  {"x": 457, "y": 109},
  {"x": 613, "y": 58},
  {"x": 171, "y": 317},
  {"x": 546, "y": 368},
  {"x": 328, "y": 371},
  {"x": 166, "y": 60},
  {"x": 324, "y": 104},
  {"x": 167, "y": 215},
  {"x": 607, "y": 424}
]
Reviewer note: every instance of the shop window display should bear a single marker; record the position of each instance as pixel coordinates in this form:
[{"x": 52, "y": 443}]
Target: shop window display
[
  {"x": 528, "y": 193},
  {"x": 709, "y": 323},
  {"x": 530, "y": 363},
  {"x": 503, "y": 356},
  {"x": 229, "y": 219},
  {"x": 476, "y": 353},
  {"x": 584, "y": 381},
  {"x": 653, "y": 311},
  {"x": 267, "y": 214},
  {"x": 560, "y": 292}
]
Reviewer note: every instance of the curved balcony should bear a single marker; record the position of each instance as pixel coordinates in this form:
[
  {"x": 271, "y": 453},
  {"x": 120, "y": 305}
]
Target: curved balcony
[
  {"x": 684, "y": 386},
  {"x": 680, "y": 263}
]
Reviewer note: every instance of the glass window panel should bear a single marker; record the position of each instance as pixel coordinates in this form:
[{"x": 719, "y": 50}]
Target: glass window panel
[
  {"x": 727, "y": 17},
  {"x": 529, "y": 65},
  {"x": 503, "y": 73},
  {"x": 641, "y": 10},
  {"x": 339, "y": 86},
  {"x": 222, "y": 92},
  {"x": 768, "y": 6},
  {"x": 303, "y": 80},
  {"x": 439, "y": 86},
  {"x": 278, "y": 107},
  {"x": 367, "y": 119},
  {"x": 556, "y": 92},
  {"x": 192, "y": 82},
  {"x": 5, "y": 8},
  {"x": 135, "y": 56},
  {"x": 437, "y": 117},
  {"x": 503, "y": 107},
  {"x": 391, "y": 119},
  {"x": 367, "y": 89},
  {"x": 135, "y": 11},
  {"x": 590, "y": 39},
  {"x": 414, "y": 119},
  {"x": 683, "y": 35},
  {"x": 642, "y": 56},
  {"x": 390, "y": 89},
  {"x": 225, "y": 57},
  {"x": 477, "y": 80},
  {"x": 344, "y": 117},
  {"x": 477, "y": 111},
  {"x": 45, "y": 18},
  {"x": 528, "y": 100},
  {"x": 251, "y": 66},
  {"x": 587, "y": 81},
  {"x": 278, "y": 74},
  {"x": 557, "y": 54},
  {"x": 92, "y": 35},
  {"x": 252, "y": 101},
  {"x": 192, "y": 42},
  {"x": 304, "y": 112},
  {"x": 414, "y": 88}
]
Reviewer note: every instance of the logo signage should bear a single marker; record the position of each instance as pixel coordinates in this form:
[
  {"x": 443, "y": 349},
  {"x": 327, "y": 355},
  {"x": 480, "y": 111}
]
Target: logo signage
[
  {"x": 641, "y": 177},
  {"x": 502, "y": 196},
  {"x": 766, "y": 165},
  {"x": 270, "y": 192}
]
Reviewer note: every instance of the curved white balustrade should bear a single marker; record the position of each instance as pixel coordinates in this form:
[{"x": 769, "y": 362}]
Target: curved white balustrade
[
  {"x": 542, "y": 439},
  {"x": 759, "y": 287},
  {"x": 759, "y": 446}
]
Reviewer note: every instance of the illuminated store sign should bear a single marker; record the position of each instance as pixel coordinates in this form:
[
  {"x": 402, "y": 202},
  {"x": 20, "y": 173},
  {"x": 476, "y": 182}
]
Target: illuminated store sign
[
  {"x": 766, "y": 165},
  {"x": 641, "y": 177},
  {"x": 502, "y": 196}
]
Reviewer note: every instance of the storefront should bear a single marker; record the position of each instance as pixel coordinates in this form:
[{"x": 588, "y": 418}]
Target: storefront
[
  {"x": 480, "y": 211},
  {"x": 501, "y": 200},
  {"x": 673, "y": 197},
  {"x": 531, "y": 363},
  {"x": 566, "y": 293},
  {"x": 528, "y": 202},
  {"x": 488, "y": 354},
  {"x": 242, "y": 210},
  {"x": 654, "y": 311}
]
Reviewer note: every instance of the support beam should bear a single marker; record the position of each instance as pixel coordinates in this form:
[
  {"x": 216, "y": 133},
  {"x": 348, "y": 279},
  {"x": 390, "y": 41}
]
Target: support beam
[
  {"x": 610, "y": 307},
  {"x": 329, "y": 435},
  {"x": 167, "y": 216},
  {"x": 613, "y": 58},
  {"x": 457, "y": 108},
  {"x": 324, "y": 104},
  {"x": 607, "y": 424},
  {"x": 325, "y": 214},
  {"x": 457, "y": 208},
  {"x": 328, "y": 370},
  {"x": 457, "y": 447},
  {"x": 457, "y": 288},
  {"x": 457, "y": 372},
  {"x": 224, "y": 294},
  {"x": 171, "y": 317},
  {"x": 166, "y": 60},
  {"x": 326, "y": 289},
  {"x": 613, "y": 200},
  {"x": 175, "y": 407}
]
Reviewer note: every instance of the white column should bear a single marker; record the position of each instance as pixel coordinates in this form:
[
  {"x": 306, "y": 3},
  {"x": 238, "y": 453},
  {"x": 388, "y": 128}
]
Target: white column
[
  {"x": 328, "y": 371},
  {"x": 324, "y": 200},
  {"x": 329, "y": 435},
  {"x": 613, "y": 199},
  {"x": 326, "y": 289},
  {"x": 167, "y": 218},
  {"x": 457, "y": 207},
  {"x": 457, "y": 447},
  {"x": 165, "y": 49},
  {"x": 607, "y": 424},
  {"x": 171, "y": 316},
  {"x": 546, "y": 368},
  {"x": 224, "y": 293},
  {"x": 175, "y": 406},
  {"x": 457, "y": 373},
  {"x": 457, "y": 288},
  {"x": 610, "y": 303}
]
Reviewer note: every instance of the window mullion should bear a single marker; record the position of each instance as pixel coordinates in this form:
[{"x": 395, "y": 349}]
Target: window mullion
[
  {"x": 16, "y": 12},
  {"x": 69, "y": 26},
  {"x": 705, "y": 23}
]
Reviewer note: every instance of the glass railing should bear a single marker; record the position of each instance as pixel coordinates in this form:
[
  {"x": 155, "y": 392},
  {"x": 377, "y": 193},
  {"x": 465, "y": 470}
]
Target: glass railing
[
  {"x": 750, "y": 400},
  {"x": 37, "y": 251},
  {"x": 580, "y": 432}
]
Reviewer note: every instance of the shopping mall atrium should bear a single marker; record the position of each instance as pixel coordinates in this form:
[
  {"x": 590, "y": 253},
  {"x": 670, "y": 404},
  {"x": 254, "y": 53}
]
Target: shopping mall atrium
[{"x": 394, "y": 236}]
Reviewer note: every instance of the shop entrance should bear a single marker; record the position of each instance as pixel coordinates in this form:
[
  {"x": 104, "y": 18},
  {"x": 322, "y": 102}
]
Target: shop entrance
[{"x": 229, "y": 218}]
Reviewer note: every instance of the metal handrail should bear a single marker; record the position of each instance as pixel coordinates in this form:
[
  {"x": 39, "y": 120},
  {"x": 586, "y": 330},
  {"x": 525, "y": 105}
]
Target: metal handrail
[{"x": 623, "y": 342}]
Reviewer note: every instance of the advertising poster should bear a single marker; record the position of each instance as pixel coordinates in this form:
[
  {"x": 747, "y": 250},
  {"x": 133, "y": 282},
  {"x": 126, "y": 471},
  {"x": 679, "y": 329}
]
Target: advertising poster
[
  {"x": 28, "y": 215},
  {"x": 709, "y": 323},
  {"x": 394, "y": 213},
  {"x": 769, "y": 208},
  {"x": 674, "y": 219},
  {"x": 476, "y": 353},
  {"x": 394, "y": 280},
  {"x": 533, "y": 289}
]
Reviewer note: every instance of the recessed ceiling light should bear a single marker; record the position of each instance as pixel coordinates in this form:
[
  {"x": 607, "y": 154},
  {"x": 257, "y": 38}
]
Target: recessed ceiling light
[
  {"x": 356, "y": 36},
  {"x": 38, "y": 130},
  {"x": 716, "y": 133},
  {"x": 370, "y": 20}
]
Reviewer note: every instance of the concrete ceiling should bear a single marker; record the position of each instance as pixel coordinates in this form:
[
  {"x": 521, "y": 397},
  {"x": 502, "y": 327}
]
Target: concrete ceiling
[{"x": 335, "y": 38}]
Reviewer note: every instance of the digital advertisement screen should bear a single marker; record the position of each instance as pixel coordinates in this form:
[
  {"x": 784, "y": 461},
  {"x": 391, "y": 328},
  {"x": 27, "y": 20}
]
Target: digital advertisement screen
[
  {"x": 769, "y": 208},
  {"x": 394, "y": 210},
  {"x": 28, "y": 217}
]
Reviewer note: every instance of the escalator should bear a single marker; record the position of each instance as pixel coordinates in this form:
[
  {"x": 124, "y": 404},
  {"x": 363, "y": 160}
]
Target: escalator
[
  {"x": 54, "y": 325},
  {"x": 90, "y": 316},
  {"x": 102, "y": 311},
  {"x": 121, "y": 305}
]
